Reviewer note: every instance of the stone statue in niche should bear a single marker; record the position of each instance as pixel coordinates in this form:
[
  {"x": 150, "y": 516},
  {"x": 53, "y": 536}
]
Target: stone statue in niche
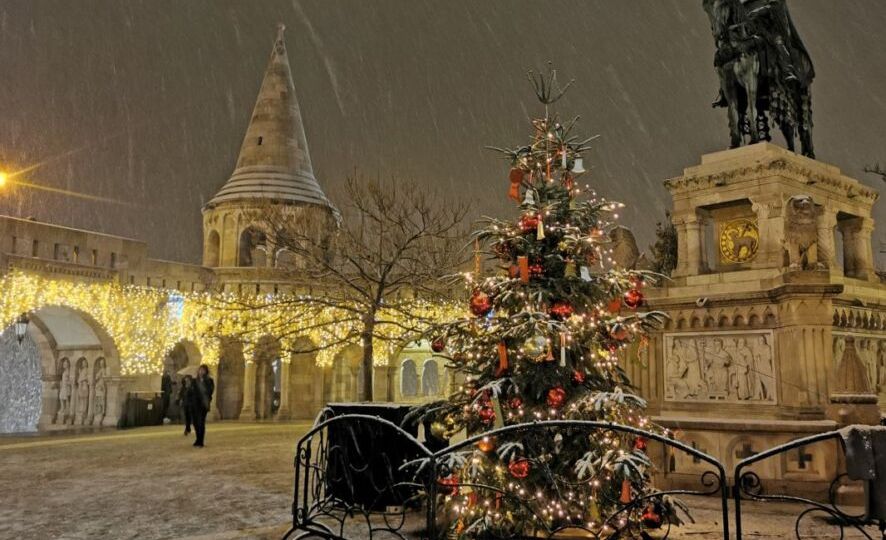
[
  {"x": 801, "y": 233},
  {"x": 82, "y": 392},
  {"x": 867, "y": 352},
  {"x": 100, "y": 393},
  {"x": 839, "y": 348},
  {"x": 764, "y": 372},
  {"x": 720, "y": 367},
  {"x": 717, "y": 362},
  {"x": 65, "y": 387}
]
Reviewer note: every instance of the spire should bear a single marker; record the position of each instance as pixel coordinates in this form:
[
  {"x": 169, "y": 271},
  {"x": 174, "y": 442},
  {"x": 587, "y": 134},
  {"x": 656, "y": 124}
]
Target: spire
[{"x": 274, "y": 162}]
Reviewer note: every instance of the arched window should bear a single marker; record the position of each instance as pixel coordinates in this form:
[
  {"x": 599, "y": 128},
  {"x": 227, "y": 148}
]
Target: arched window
[
  {"x": 430, "y": 378},
  {"x": 408, "y": 379},
  {"x": 213, "y": 244},
  {"x": 252, "y": 249}
]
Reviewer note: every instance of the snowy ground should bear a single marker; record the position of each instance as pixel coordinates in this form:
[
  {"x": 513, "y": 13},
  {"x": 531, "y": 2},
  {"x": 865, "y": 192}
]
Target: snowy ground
[{"x": 150, "y": 483}]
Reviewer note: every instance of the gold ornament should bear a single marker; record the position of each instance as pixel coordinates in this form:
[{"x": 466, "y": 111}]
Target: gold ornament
[{"x": 739, "y": 240}]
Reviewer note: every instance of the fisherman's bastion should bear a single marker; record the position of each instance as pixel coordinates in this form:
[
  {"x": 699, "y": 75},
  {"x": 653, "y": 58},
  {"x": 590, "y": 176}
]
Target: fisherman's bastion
[{"x": 776, "y": 313}]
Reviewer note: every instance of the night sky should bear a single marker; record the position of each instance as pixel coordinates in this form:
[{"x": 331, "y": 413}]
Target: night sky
[{"x": 144, "y": 104}]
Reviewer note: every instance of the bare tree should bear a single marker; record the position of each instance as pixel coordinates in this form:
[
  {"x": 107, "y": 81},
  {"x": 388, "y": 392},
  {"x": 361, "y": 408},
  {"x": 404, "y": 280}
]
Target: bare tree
[
  {"x": 876, "y": 169},
  {"x": 395, "y": 243}
]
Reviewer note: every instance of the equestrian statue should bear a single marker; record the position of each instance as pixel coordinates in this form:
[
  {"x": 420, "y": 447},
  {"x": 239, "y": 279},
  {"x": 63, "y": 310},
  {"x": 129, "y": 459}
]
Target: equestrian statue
[{"x": 765, "y": 71}]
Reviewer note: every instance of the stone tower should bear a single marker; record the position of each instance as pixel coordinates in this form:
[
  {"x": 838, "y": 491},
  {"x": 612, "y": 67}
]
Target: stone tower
[{"x": 274, "y": 167}]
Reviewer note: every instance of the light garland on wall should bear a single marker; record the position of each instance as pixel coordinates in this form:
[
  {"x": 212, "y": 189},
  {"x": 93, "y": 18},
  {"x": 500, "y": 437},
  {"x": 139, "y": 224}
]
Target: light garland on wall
[{"x": 145, "y": 324}]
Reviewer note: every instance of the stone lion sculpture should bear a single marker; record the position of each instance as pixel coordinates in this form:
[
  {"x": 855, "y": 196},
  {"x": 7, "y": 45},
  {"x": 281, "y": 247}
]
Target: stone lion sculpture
[{"x": 801, "y": 233}]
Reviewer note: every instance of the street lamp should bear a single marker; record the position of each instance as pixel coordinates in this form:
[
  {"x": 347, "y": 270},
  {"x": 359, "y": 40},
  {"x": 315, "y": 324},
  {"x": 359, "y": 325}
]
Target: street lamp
[
  {"x": 3, "y": 179},
  {"x": 21, "y": 327}
]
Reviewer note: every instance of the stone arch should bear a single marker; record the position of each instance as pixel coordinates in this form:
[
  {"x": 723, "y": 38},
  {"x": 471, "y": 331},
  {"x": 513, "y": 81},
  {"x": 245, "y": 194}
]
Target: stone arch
[
  {"x": 754, "y": 320},
  {"x": 347, "y": 374},
  {"x": 212, "y": 249},
  {"x": 738, "y": 321},
  {"x": 306, "y": 381},
  {"x": 695, "y": 322},
  {"x": 286, "y": 259},
  {"x": 431, "y": 377},
  {"x": 252, "y": 247},
  {"x": 409, "y": 379},
  {"x": 69, "y": 358},
  {"x": 723, "y": 321},
  {"x": 265, "y": 379}
]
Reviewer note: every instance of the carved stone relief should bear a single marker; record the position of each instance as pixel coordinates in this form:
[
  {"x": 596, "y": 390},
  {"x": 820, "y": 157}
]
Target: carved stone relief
[
  {"x": 735, "y": 367},
  {"x": 871, "y": 350}
]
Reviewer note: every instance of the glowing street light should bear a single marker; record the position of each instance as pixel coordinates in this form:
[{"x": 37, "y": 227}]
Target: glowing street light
[
  {"x": 3, "y": 179},
  {"x": 21, "y": 327}
]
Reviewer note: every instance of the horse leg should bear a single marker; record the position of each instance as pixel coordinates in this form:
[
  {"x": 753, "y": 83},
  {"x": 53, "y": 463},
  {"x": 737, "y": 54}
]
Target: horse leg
[
  {"x": 787, "y": 129},
  {"x": 728, "y": 85},
  {"x": 748, "y": 68}
]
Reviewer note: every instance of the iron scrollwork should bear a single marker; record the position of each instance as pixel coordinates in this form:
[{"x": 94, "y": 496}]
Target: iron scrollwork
[{"x": 748, "y": 485}]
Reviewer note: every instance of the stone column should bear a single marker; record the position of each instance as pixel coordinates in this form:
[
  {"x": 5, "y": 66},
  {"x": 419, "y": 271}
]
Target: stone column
[
  {"x": 247, "y": 412},
  {"x": 693, "y": 246},
  {"x": 49, "y": 406},
  {"x": 826, "y": 249},
  {"x": 284, "y": 412},
  {"x": 214, "y": 413},
  {"x": 116, "y": 398},
  {"x": 682, "y": 261},
  {"x": 864, "y": 248}
]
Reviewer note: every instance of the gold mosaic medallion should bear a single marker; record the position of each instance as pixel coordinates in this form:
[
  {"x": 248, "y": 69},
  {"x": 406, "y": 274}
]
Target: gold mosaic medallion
[{"x": 739, "y": 240}]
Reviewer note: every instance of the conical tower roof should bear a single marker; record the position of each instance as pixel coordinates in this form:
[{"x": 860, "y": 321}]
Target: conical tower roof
[{"x": 274, "y": 162}]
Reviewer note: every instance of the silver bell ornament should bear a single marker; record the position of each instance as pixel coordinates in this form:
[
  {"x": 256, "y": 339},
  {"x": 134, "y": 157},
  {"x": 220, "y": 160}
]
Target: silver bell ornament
[{"x": 578, "y": 166}]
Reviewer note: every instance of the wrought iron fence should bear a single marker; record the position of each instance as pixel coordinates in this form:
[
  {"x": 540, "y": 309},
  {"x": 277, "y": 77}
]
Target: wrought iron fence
[
  {"x": 749, "y": 486},
  {"x": 345, "y": 489}
]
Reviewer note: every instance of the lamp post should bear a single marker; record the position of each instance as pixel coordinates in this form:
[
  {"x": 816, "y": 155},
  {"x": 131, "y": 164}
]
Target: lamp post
[{"x": 21, "y": 327}]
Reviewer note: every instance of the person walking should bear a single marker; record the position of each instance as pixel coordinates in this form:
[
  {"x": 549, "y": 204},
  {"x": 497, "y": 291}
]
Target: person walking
[
  {"x": 201, "y": 399},
  {"x": 184, "y": 401}
]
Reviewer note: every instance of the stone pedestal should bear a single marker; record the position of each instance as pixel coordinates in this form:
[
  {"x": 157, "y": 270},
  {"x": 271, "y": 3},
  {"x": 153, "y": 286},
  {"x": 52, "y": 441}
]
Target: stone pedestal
[{"x": 760, "y": 313}]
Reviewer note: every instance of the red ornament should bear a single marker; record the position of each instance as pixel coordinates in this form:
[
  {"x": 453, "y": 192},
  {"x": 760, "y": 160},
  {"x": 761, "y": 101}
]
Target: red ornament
[
  {"x": 626, "y": 496},
  {"x": 529, "y": 223},
  {"x": 651, "y": 516},
  {"x": 516, "y": 178},
  {"x": 516, "y": 402},
  {"x": 449, "y": 485},
  {"x": 633, "y": 298},
  {"x": 536, "y": 270},
  {"x": 556, "y": 397},
  {"x": 640, "y": 444},
  {"x": 487, "y": 415},
  {"x": 561, "y": 309},
  {"x": 481, "y": 304},
  {"x": 519, "y": 468},
  {"x": 614, "y": 305},
  {"x": 578, "y": 376},
  {"x": 438, "y": 345}
]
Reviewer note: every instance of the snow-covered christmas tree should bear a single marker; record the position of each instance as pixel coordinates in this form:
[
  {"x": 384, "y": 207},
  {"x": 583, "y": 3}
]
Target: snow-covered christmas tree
[{"x": 543, "y": 342}]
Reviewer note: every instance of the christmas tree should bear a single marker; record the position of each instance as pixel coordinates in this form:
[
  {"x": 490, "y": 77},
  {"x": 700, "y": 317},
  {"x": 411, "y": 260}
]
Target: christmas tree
[{"x": 542, "y": 342}]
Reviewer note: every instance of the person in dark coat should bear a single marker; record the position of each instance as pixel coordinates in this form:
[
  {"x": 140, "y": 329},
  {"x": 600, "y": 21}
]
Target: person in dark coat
[
  {"x": 201, "y": 400},
  {"x": 165, "y": 391},
  {"x": 184, "y": 400}
]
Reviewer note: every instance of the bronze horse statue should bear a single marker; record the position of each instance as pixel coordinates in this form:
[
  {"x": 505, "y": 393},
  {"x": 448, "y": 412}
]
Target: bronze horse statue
[{"x": 764, "y": 70}]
